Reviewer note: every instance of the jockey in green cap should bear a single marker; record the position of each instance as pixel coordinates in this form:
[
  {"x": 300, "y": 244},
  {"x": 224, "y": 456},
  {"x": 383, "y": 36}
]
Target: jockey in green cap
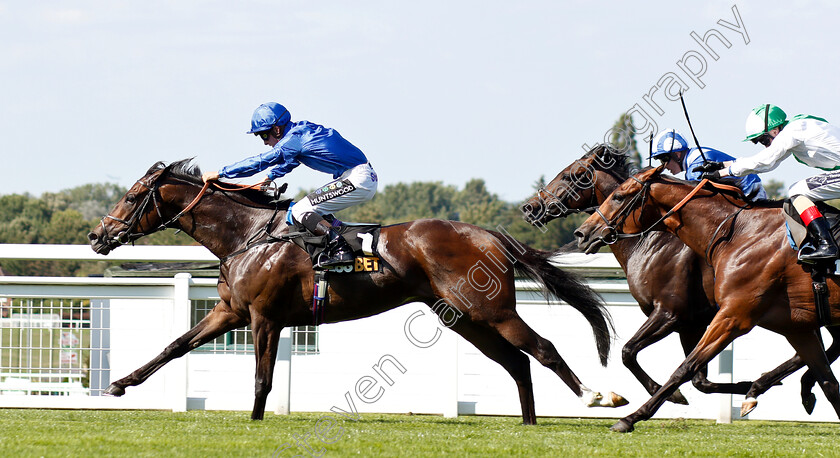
[{"x": 813, "y": 142}]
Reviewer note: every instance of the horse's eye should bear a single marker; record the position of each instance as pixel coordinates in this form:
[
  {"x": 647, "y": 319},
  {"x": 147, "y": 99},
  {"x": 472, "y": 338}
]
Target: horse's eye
[
  {"x": 130, "y": 198},
  {"x": 618, "y": 197}
]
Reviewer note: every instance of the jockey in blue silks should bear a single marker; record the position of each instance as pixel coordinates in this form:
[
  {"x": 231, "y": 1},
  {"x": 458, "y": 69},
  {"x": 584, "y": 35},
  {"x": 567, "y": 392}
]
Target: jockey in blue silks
[
  {"x": 317, "y": 147},
  {"x": 671, "y": 148}
]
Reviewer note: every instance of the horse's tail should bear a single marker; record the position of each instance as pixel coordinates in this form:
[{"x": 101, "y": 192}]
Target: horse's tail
[{"x": 535, "y": 264}]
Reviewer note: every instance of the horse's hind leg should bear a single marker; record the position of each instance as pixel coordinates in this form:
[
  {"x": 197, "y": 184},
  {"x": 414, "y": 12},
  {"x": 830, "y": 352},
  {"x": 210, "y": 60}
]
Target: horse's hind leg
[
  {"x": 266, "y": 337},
  {"x": 219, "y": 321},
  {"x": 658, "y": 325},
  {"x": 492, "y": 345},
  {"x": 809, "y": 347},
  {"x": 518, "y": 333},
  {"x": 790, "y": 366},
  {"x": 769, "y": 379},
  {"x": 809, "y": 401}
]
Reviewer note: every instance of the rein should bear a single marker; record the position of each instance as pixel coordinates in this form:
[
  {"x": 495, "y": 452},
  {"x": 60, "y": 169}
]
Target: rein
[
  {"x": 127, "y": 235},
  {"x": 612, "y": 235}
]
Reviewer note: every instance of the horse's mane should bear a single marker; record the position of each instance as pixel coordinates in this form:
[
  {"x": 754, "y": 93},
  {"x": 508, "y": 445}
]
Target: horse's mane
[
  {"x": 187, "y": 170},
  {"x": 620, "y": 167}
]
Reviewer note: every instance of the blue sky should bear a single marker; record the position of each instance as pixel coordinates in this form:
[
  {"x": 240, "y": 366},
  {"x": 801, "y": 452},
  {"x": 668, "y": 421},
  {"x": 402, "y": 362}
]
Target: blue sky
[{"x": 97, "y": 91}]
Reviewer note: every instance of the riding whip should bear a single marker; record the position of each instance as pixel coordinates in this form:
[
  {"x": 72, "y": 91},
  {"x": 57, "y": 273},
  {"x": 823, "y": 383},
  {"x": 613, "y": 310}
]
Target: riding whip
[{"x": 699, "y": 148}]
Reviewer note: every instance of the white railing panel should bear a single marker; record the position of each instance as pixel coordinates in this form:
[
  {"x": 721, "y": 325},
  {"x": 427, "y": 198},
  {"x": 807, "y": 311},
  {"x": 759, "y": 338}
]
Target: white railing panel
[
  {"x": 132, "y": 319},
  {"x": 126, "y": 253}
]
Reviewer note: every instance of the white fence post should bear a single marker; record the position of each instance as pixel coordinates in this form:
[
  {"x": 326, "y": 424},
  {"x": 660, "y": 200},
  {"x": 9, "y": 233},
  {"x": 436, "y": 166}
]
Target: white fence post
[
  {"x": 283, "y": 373},
  {"x": 725, "y": 370},
  {"x": 180, "y": 324},
  {"x": 451, "y": 398}
]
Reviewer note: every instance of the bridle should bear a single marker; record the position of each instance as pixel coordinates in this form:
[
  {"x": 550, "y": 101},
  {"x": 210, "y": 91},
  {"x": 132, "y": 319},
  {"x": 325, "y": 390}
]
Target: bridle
[
  {"x": 610, "y": 234},
  {"x": 128, "y": 235},
  {"x": 566, "y": 211}
]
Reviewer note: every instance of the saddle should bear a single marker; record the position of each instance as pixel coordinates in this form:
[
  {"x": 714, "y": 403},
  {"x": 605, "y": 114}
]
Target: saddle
[
  {"x": 797, "y": 233},
  {"x": 362, "y": 238}
]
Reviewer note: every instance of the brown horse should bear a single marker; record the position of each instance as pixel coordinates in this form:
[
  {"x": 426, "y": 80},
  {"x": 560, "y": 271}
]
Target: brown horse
[
  {"x": 269, "y": 284},
  {"x": 673, "y": 286},
  {"x": 758, "y": 282}
]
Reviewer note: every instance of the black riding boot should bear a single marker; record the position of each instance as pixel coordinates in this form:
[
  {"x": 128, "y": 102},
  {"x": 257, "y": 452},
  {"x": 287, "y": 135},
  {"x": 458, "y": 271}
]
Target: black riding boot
[
  {"x": 337, "y": 252},
  {"x": 826, "y": 249}
]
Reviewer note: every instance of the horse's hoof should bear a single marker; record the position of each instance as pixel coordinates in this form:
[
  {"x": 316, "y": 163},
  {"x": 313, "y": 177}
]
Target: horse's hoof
[
  {"x": 596, "y": 399},
  {"x": 623, "y": 426},
  {"x": 809, "y": 401},
  {"x": 617, "y": 400},
  {"x": 114, "y": 390},
  {"x": 678, "y": 398},
  {"x": 748, "y": 405}
]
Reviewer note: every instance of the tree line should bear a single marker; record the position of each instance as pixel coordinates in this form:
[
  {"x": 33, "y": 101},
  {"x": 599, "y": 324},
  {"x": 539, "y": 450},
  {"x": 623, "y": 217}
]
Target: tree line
[{"x": 66, "y": 217}]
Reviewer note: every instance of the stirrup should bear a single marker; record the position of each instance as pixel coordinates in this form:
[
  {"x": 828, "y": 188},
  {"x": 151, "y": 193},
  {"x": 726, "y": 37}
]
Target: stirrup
[
  {"x": 823, "y": 252},
  {"x": 337, "y": 259}
]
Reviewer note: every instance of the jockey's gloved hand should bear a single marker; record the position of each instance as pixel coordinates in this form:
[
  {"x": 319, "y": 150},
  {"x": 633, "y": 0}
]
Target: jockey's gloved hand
[
  {"x": 711, "y": 176},
  {"x": 266, "y": 184},
  {"x": 708, "y": 166}
]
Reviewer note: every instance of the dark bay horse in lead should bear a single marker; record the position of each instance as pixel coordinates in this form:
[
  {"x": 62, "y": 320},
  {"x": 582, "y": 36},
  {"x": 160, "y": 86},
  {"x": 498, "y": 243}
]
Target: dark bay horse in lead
[{"x": 270, "y": 285}]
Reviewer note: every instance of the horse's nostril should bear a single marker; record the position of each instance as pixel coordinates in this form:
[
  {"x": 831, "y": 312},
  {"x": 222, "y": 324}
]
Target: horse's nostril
[
  {"x": 578, "y": 234},
  {"x": 93, "y": 237}
]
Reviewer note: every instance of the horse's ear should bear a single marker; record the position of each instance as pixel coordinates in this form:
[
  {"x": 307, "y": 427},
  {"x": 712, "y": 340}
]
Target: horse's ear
[{"x": 647, "y": 174}]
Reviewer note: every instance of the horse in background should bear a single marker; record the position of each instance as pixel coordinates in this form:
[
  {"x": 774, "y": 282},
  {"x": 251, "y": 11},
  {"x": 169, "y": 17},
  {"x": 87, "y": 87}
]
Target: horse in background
[{"x": 757, "y": 279}]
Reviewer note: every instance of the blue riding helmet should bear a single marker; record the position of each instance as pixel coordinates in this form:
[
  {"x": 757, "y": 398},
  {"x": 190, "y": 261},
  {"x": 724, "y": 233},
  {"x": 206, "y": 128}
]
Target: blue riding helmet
[
  {"x": 669, "y": 141},
  {"x": 268, "y": 115}
]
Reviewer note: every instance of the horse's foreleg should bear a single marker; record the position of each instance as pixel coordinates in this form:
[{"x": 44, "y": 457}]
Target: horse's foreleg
[
  {"x": 657, "y": 326},
  {"x": 720, "y": 333},
  {"x": 516, "y": 363},
  {"x": 266, "y": 337},
  {"x": 809, "y": 347},
  {"x": 219, "y": 321},
  {"x": 689, "y": 337},
  {"x": 518, "y": 333}
]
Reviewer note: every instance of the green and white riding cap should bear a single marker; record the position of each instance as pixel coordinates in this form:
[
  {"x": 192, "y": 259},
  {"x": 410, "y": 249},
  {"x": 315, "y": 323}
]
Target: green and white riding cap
[{"x": 763, "y": 119}]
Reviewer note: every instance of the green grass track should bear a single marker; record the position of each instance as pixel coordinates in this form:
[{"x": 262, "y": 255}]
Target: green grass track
[{"x": 199, "y": 433}]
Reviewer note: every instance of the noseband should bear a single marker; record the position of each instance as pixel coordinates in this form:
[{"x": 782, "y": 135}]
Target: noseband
[
  {"x": 126, "y": 236},
  {"x": 594, "y": 208},
  {"x": 566, "y": 210},
  {"x": 610, "y": 234}
]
